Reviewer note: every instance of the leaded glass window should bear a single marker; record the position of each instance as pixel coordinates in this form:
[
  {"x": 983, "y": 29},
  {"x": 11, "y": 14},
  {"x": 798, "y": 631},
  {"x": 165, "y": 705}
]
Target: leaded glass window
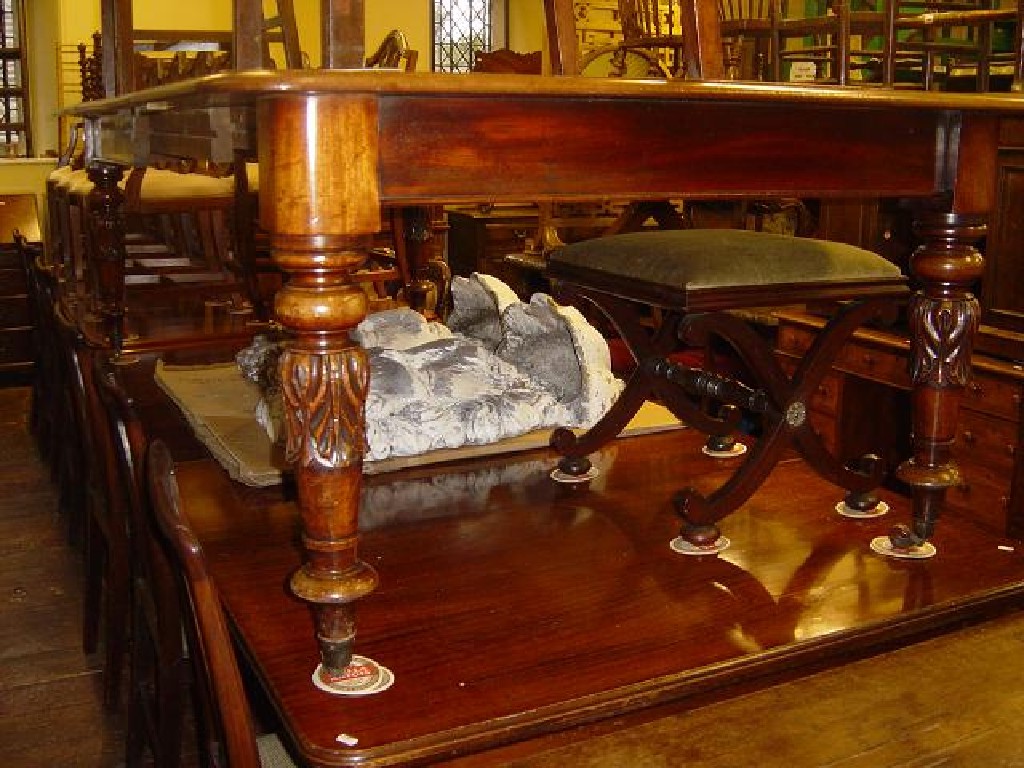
[
  {"x": 14, "y": 124},
  {"x": 462, "y": 27}
]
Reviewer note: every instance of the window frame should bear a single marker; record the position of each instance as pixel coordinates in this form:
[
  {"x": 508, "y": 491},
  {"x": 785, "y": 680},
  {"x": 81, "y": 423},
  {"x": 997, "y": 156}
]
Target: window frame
[
  {"x": 16, "y": 134},
  {"x": 497, "y": 27}
]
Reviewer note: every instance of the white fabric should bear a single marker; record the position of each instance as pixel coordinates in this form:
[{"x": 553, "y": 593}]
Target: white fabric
[
  {"x": 272, "y": 752},
  {"x": 501, "y": 369}
]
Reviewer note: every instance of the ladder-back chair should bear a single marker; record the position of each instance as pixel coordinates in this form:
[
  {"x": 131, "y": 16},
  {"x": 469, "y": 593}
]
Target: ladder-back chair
[{"x": 232, "y": 739}]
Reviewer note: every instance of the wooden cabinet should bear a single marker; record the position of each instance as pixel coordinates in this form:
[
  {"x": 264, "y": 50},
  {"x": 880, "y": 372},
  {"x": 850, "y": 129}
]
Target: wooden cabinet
[
  {"x": 1002, "y": 286},
  {"x": 15, "y": 319},
  {"x": 17, "y": 212},
  {"x": 864, "y": 406},
  {"x": 480, "y": 238}
]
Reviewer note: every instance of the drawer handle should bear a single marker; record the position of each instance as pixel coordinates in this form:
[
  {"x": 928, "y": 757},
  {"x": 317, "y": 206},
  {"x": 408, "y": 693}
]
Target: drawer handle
[
  {"x": 976, "y": 389},
  {"x": 869, "y": 360},
  {"x": 969, "y": 438},
  {"x": 1016, "y": 398},
  {"x": 1004, "y": 502},
  {"x": 1011, "y": 449}
]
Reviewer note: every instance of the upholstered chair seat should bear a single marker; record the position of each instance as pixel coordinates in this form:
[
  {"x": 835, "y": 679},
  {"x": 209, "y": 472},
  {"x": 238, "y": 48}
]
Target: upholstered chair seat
[
  {"x": 161, "y": 186},
  {"x": 711, "y": 269}
]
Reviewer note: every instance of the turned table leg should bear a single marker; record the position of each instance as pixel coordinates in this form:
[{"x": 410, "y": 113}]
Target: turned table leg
[
  {"x": 321, "y": 213},
  {"x": 105, "y": 222},
  {"x": 943, "y": 317}
]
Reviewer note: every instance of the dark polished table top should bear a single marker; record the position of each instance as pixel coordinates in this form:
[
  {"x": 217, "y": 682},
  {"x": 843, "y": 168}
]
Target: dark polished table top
[{"x": 550, "y": 605}]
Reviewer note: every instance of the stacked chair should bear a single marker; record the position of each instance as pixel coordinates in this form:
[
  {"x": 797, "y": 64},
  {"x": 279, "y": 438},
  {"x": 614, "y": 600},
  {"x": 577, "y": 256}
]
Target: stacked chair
[{"x": 228, "y": 735}]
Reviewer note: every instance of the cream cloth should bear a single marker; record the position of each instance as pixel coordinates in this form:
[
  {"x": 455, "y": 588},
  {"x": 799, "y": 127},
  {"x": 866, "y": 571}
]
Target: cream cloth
[{"x": 220, "y": 405}]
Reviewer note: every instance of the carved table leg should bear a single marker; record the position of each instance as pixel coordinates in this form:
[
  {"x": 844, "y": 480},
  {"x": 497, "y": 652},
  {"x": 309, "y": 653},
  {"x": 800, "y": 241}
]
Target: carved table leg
[
  {"x": 320, "y": 216},
  {"x": 943, "y": 318},
  {"x": 106, "y": 235}
]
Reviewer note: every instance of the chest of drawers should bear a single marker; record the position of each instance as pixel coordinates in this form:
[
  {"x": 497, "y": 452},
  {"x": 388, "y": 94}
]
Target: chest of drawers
[
  {"x": 17, "y": 213},
  {"x": 864, "y": 405}
]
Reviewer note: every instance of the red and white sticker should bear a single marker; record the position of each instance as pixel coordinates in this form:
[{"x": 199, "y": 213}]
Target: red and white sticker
[{"x": 361, "y": 677}]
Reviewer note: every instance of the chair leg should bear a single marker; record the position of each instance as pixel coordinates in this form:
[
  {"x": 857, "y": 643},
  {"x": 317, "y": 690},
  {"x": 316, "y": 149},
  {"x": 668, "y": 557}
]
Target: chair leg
[
  {"x": 116, "y": 594},
  {"x": 92, "y": 601}
]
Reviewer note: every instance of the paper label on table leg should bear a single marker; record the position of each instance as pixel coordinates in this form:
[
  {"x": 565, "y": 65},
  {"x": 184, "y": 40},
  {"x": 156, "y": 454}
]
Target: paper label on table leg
[{"x": 361, "y": 677}]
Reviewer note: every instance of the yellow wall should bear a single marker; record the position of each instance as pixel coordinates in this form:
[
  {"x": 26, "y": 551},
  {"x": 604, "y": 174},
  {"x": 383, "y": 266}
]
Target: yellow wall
[
  {"x": 42, "y": 19},
  {"x": 78, "y": 19},
  {"x": 27, "y": 176}
]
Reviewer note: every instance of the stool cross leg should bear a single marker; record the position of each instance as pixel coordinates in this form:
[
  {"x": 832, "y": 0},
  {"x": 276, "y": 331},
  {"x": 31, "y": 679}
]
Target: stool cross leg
[{"x": 673, "y": 271}]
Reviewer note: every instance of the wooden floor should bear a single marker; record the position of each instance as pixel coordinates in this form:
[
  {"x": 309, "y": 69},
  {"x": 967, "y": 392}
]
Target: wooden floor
[{"x": 956, "y": 700}]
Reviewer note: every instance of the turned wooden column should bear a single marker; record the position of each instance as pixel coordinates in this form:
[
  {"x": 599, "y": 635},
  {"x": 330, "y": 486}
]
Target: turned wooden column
[
  {"x": 943, "y": 318},
  {"x": 321, "y": 215},
  {"x": 105, "y": 265}
]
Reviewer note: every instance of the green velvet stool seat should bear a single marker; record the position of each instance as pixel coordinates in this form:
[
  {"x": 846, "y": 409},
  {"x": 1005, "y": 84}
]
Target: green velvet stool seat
[{"x": 694, "y": 277}]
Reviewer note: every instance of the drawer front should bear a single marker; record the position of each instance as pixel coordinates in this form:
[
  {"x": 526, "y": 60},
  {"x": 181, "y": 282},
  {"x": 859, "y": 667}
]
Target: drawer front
[
  {"x": 794, "y": 341},
  {"x": 876, "y": 364},
  {"x": 827, "y": 395},
  {"x": 982, "y": 496},
  {"x": 14, "y": 312},
  {"x": 986, "y": 441},
  {"x": 12, "y": 282},
  {"x": 824, "y": 426},
  {"x": 15, "y": 346},
  {"x": 999, "y": 397},
  {"x": 9, "y": 259},
  {"x": 502, "y": 240},
  {"x": 869, "y": 362}
]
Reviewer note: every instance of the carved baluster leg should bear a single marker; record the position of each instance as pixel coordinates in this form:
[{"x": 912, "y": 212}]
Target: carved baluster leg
[
  {"x": 320, "y": 216},
  {"x": 106, "y": 236},
  {"x": 943, "y": 318}
]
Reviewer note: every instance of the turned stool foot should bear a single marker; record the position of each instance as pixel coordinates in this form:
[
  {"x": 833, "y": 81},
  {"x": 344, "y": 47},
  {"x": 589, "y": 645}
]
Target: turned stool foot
[{"x": 574, "y": 469}]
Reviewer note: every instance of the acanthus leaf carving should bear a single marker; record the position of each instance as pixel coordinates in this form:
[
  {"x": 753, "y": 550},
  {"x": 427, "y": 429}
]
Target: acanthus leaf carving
[
  {"x": 943, "y": 330},
  {"x": 324, "y": 395}
]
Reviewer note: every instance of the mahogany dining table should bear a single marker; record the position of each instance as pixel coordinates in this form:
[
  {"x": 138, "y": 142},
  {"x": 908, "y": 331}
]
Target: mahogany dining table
[
  {"x": 333, "y": 146},
  {"x": 518, "y": 614}
]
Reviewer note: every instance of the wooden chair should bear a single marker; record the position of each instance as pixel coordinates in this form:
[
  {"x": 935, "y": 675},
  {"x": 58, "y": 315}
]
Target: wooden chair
[
  {"x": 42, "y": 289},
  {"x": 233, "y": 740},
  {"x": 657, "y": 27},
  {"x": 506, "y": 60},
  {"x": 105, "y": 539},
  {"x": 813, "y": 47},
  {"x": 171, "y": 247},
  {"x": 926, "y": 44},
  {"x": 393, "y": 53},
  {"x": 160, "y": 673},
  {"x": 748, "y": 34}
]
